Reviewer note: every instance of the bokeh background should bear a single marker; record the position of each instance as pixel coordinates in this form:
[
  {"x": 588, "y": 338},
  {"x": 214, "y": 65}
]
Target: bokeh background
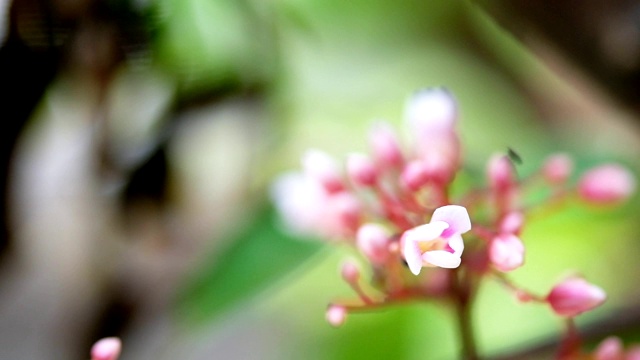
[{"x": 140, "y": 138}]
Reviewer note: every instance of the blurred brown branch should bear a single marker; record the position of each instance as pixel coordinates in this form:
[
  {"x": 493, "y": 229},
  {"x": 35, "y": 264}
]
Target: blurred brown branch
[{"x": 602, "y": 37}]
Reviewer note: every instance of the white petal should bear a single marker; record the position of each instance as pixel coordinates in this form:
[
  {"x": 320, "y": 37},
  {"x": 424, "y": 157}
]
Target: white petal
[
  {"x": 426, "y": 232},
  {"x": 431, "y": 111},
  {"x": 412, "y": 255},
  {"x": 454, "y": 215},
  {"x": 456, "y": 243},
  {"x": 441, "y": 258}
]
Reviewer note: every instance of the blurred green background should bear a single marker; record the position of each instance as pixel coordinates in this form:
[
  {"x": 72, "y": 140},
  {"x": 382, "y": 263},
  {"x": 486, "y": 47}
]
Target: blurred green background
[{"x": 141, "y": 138}]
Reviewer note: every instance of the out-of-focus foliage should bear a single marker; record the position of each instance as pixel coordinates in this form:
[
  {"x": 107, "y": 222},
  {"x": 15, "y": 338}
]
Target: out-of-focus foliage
[{"x": 259, "y": 254}]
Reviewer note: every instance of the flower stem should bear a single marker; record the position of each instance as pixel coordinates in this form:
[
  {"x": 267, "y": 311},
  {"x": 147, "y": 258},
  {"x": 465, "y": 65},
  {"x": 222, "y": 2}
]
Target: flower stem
[{"x": 463, "y": 294}]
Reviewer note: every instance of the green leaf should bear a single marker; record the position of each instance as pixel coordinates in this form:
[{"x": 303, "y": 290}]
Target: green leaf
[{"x": 258, "y": 255}]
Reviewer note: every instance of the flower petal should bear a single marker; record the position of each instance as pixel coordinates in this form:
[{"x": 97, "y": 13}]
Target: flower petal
[
  {"x": 411, "y": 252},
  {"x": 456, "y": 243},
  {"x": 442, "y": 258},
  {"x": 426, "y": 232},
  {"x": 454, "y": 215}
]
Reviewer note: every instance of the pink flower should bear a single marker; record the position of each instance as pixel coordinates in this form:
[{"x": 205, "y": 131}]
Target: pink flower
[
  {"x": 557, "y": 168},
  {"x": 386, "y": 150},
  {"x": 438, "y": 243},
  {"x": 605, "y": 184},
  {"x": 106, "y": 349},
  {"x": 506, "y": 252},
  {"x": 322, "y": 167},
  {"x": 609, "y": 349},
  {"x": 308, "y": 208},
  {"x": 432, "y": 115},
  {"x": 336, "y": 315},
  {"x": 415, "y": 175},
  {"x": 432, "y": 111},
  {"x": 350, "y": 272},
  {"x": 373, "y": 242},
  {"x": 575, "y": 296},
  {"x": 301, "y": 201},
  {"x": 512, "y": 223},
  {"x": 362, "y": 170},
  {"x": 500, "y": 172}
]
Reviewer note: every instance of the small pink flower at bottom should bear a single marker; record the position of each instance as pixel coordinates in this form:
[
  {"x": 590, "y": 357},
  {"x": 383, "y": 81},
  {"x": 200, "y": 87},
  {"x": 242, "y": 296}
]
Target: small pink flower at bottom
[
  {"x": 336, "y": 315},
  {"x": 106, "y": 349},
  {"x": 575, "y": 296},
  {"x": 438, "y": 243},
  {"x": 609, "y": 349}
]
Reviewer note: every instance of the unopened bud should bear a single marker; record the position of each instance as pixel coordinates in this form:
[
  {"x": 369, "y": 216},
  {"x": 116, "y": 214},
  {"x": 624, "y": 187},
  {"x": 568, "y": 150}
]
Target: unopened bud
[
  {"x": 385, "y": 145},
  {"x": 500, "y": 172},
  {"x": 575, "y": 296},
  {"x": 373, "y": 242},
  {"x": 346, "y": 209},
  {"x": 106, "y": 349},
  {"x": 557, "y": 168},
  {"x": 506, "y": 252},
  {"x": 512, "y": 223},
  {"x": 610, "y": 348},
  {"x": 336, "y": 315},
  {"x": 350, "y": 272},
  {"x": 415, "y": 175},
  {"x": 322, "y": 167},
  {"x": 432, "y": 110},
  {"x": 362, "y": 170},
  {"x": 607, "y": 184}
]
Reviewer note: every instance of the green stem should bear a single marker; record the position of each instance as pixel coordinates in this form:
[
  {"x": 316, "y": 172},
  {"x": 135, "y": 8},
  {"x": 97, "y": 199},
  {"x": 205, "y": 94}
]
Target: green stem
[{"x": 463, "y": 294}]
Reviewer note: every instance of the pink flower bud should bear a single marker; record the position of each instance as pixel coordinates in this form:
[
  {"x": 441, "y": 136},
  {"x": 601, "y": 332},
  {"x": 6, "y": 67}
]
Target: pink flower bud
[
  {"x": 322, "y": 167},
  {"x": 336, "y": 315},
  {"x": 362, "y": 170},
  {"x": 557, "y": 168},
  {"x": 610, "y": 348},
  {"x": 350, "y": 272},
  {"x": 606, "y": 184},
  {"x": 432, "y": 110},
  {"x": 385, "y": 145},
  {"x": 415, "y": 175},
  {"x": 344, "y": 212},
  {"x": 500, "y": 172},
  {"x": 373, "y": 242},
  {"x": 506, "y": 252},
  {"x": 575, "y": 296},
  {"x": 106, "y": 349},
  {"x": 301, "y": 202},
  {"x": 512, "y": 223}
]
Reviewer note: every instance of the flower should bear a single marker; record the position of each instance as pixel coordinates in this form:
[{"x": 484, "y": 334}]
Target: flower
[
  {"x": 557, "y": 168},
  {"x": 438, "y": 243},
  {"x": 610, "y": 348},
  {"x": 373, "y": 242},
  {"x": 610, "y": 183},
  {"x": 506, "y": 252},
  {"x": 431, "y": 115},
  {"x": 336, "y": 315},
  {"x": 106, "y": 349},
  {"x": 574, "y": 296}
]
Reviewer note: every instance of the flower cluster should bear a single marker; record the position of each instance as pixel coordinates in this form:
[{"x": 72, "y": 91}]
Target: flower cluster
[{"x": 396, "y": 207}]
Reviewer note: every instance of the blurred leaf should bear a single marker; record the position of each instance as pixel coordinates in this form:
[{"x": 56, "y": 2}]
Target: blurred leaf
[{"x": 259, "y": 255}]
